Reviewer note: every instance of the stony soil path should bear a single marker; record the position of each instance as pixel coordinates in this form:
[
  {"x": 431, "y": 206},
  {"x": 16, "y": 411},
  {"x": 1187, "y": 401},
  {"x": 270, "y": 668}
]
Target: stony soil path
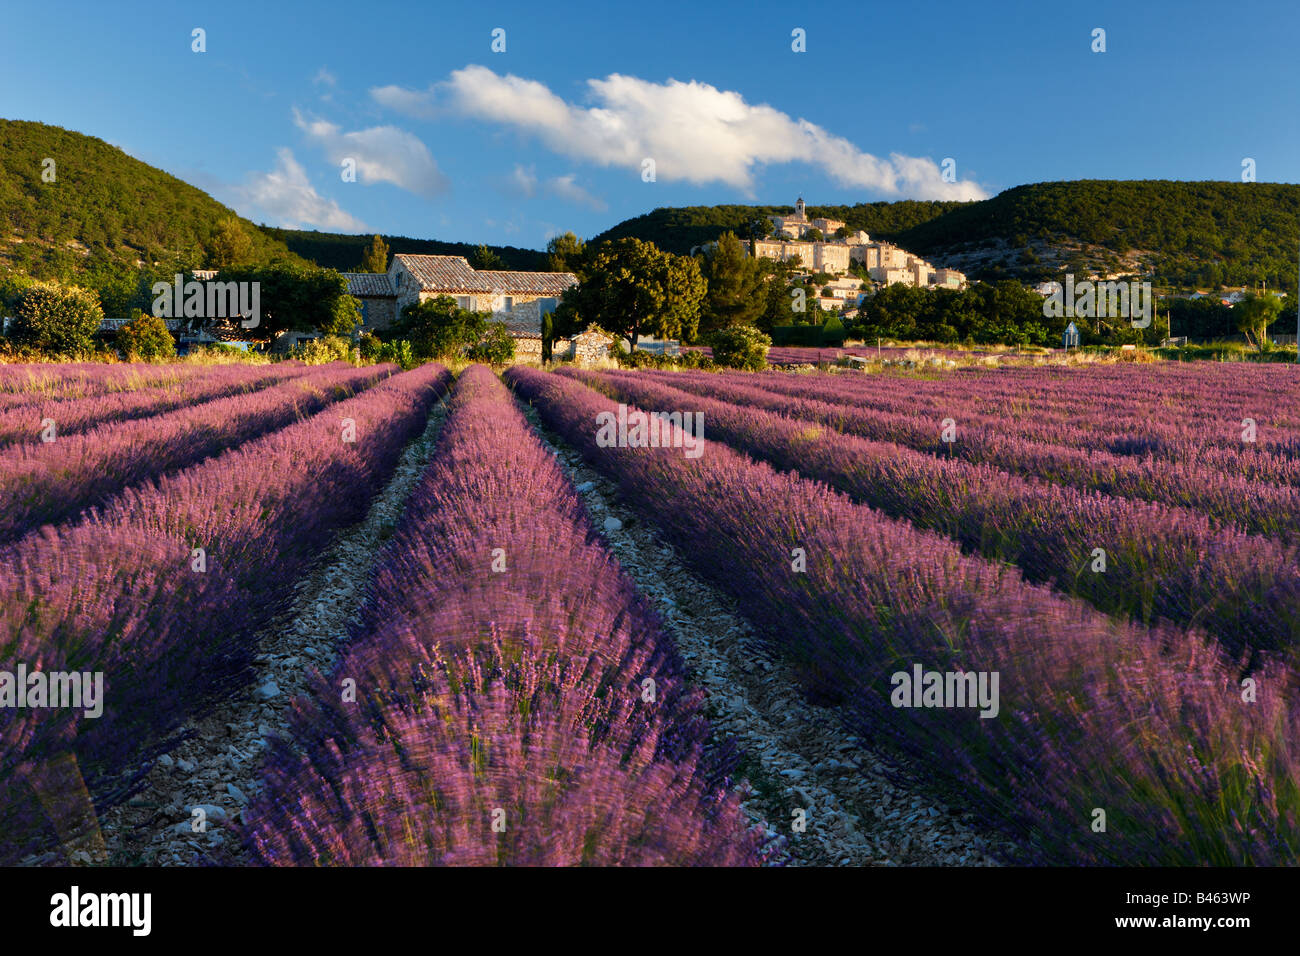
[
  {"x": 797, "y": 754},
  {"x": 218, "y": 766}
]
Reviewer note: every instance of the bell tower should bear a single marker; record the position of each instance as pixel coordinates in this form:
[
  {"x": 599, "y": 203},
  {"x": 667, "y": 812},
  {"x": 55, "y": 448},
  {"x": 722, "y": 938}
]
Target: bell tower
[{"x": 798, "y": 209}]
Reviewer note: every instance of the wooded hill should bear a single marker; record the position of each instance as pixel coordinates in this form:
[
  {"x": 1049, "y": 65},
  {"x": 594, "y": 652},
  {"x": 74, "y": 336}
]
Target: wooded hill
[
  {"x": 343, "y": 252},
  {"x": 1201, "y": 234},
  {"x": 95, "y": 207}
]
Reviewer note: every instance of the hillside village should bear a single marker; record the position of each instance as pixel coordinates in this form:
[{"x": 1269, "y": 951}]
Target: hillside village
[{"x": 825, "y": 245}]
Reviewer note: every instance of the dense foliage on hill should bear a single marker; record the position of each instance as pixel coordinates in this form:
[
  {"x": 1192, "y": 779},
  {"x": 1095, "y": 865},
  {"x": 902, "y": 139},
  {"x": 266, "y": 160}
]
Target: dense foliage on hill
[
  {"x": 1203, "y": 234},
  {"x": 73, "y": 204},
  {"x": 1197, "y": 233},
  {"x": 679, "y": 230},
  {"x": 345, "y": 252}
]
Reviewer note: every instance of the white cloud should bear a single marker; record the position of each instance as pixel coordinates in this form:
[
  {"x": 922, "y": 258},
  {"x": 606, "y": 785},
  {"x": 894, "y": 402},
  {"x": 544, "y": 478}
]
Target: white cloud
[
  {"x": 565, "y": 188},
  {"x": 693, "y": 131},
  {"x": 383, "y": 154},
  {"x": 411, "y": 102},
  {"x": 285, "y": 197},
  {"x": 324, "y": 76},
  {"x": 523, "y": 181}
]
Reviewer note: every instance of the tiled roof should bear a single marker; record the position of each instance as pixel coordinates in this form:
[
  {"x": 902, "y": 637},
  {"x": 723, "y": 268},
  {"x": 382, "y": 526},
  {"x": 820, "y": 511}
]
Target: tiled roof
[
  {"x": 455, "y": 274},
  {"x": 536, "y": 283},
  {"x": 440, "y": 273},
  {"x": 369, "y": 284}
]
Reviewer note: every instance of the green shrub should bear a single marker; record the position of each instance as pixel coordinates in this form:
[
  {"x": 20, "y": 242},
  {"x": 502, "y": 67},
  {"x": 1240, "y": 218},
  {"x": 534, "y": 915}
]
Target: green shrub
[
  {"x": 743, "y": 347},
  {"x": 807, "y": 335},
  {"x": 438, "y": 328},
  {"x": 370, "y": 346},
  {"x": 497, "y": 347},
  {"x": 399, "y": 353},
  {"x": 833, "y": 333},
  {"x": 697, "y": 360},
  {"x": 145, "y": 337},
  {"x": 331, "y": 348},
  {"x": 55, "y": 319}
]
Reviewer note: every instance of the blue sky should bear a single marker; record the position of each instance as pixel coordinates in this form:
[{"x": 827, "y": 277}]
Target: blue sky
[{"x": 454, "y": 141}]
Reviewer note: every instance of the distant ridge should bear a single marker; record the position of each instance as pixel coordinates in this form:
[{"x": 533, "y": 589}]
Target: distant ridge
[{"x": 1201, "y": 234}]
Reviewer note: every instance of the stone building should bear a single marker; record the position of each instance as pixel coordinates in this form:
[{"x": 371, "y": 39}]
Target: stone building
[
  {"x": 883, "y": 261},
  {"x": 377, "y": 298},
  {"x": 796, "y": 226},
  {"x": 519, "y": 299}
]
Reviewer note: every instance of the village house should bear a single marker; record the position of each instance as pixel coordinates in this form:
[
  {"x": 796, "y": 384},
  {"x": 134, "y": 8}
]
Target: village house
[{"x": 516, "y": 299}]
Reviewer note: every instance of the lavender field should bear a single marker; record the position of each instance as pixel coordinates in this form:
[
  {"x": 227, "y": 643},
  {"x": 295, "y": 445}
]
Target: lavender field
[{"x": 302, "y": 615}]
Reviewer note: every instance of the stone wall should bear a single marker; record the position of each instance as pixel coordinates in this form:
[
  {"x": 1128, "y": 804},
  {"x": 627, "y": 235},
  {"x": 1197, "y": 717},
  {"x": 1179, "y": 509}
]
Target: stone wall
[
  {"x": 585, "y": 347},
  {"x": 380, "y": 312}
]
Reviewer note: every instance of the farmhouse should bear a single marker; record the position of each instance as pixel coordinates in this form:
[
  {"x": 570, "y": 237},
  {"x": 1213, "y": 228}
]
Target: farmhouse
[{"x": 518, "y": 300}]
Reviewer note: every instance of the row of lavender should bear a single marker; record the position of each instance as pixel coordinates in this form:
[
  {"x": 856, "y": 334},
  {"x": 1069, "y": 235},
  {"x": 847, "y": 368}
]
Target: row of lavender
[
  {"x": 44, "y": 482},
  {"x": 1111, "y": 742},
  {"x": 86, "y": 379},
  {"x": 1126, "y": 390},
  {"x": 1185, "y": 421},
  {"x": 161, "y": 591},
  {"x": 1155, "y": 561},
  {"x": 514, "y": 700},
  {"x": 1229, "y": 499},
  {"x": 28, "y": 419}
]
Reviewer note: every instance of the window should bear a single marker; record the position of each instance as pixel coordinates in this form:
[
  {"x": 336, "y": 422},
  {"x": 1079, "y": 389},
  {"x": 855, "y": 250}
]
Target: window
[
  {"x": 464, "y": 301},
  {"x": 508, "y": 303}
]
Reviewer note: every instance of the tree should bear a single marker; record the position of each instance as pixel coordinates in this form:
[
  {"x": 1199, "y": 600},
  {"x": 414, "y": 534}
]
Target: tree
[
  {"x": 57, "y": 320},
  {"x": 485, "y": 258},
  {"x": 842, "y": 232},
  {"x": 743, "y": 347},
  {"x": 565, "y": 253},
  {"x": 345, "y": 318},
  {"x": 375, "y": 259},
  {"x": 497, "y": 347},
  {"x": 298, "y": 298},
  {"x": 779, "y": 306},
  {"x": 230, "y": 245},
  {"x": 145, "y": 337},
  {"x": 548, "y": 336},
  {"x": 814, "y": 235},
  {"x": 833, "y": 332},
  {"x": 633, "y": 288},
  {"x": 734, "y": 286},
  {"x": 1254, "y": 314},
  {"x": 438, "y": 328}
]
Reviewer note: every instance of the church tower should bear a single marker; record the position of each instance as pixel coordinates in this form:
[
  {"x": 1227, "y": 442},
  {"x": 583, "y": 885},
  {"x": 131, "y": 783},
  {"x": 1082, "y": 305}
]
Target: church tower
[{"x": 798, "y": 209}]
